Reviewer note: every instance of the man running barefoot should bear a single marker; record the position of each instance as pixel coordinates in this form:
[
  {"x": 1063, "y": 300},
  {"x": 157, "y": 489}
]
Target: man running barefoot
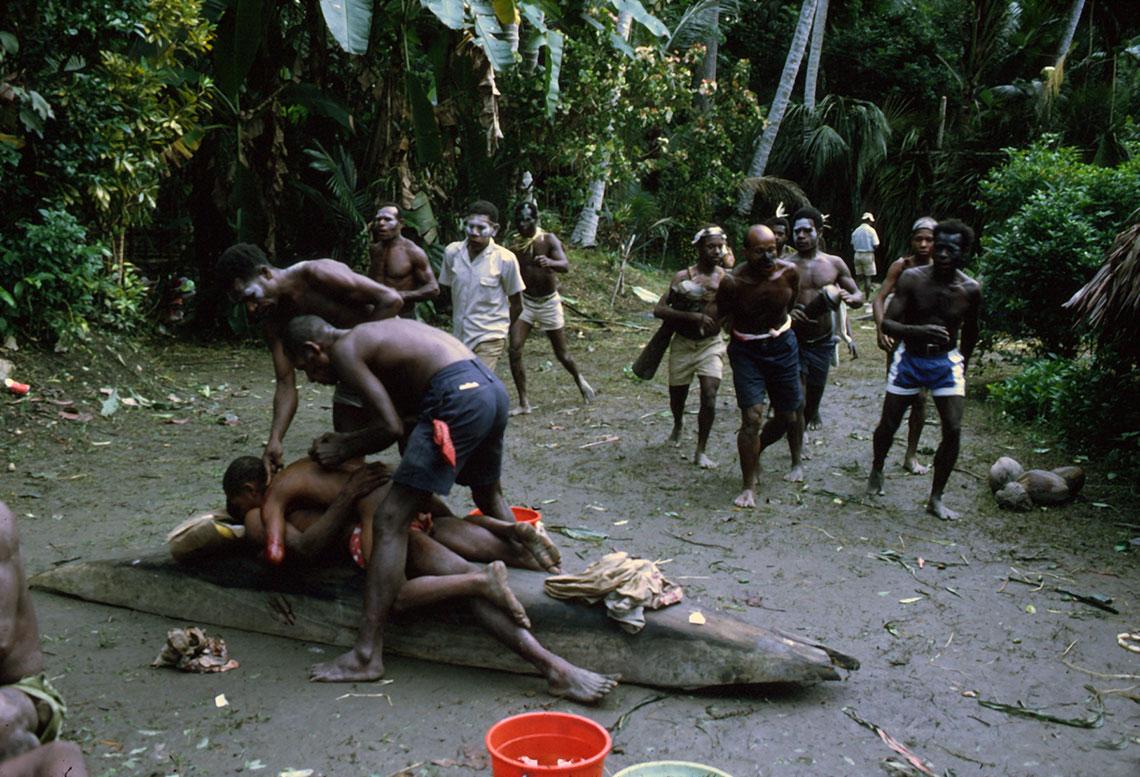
[
  {"x": 397, "y": 262},
  {"x": 272, "y": 296},
  {"x": 932, "y": 308},
  {"x": 314, "y": 501},
  {"x": 825, "y": 281},
  {"x": 407, "y": 369},
  {"x": 697, "y": 348},
  {"x": 541, "y": 258},
  {"x": 921, "y": 246},
  {"x": 757, "y": 299}
]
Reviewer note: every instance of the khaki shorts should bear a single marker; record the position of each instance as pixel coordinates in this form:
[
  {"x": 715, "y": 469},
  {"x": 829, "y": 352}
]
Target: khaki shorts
[
  {"x": 543, "y": 313},
  {"x": 864, "y": 262},
  {"x": 695, "y": 357},
  {"x": 490, "y": 351}
]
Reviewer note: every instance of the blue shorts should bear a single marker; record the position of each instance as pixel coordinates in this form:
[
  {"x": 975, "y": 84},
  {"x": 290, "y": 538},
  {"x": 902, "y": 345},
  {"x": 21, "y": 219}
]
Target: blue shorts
[
  {"x": 771, "y": 367},
  {"x": 944, "y": 373},
  {"x": 815, "y": 361},
  {"x": 474, "y": 405}
]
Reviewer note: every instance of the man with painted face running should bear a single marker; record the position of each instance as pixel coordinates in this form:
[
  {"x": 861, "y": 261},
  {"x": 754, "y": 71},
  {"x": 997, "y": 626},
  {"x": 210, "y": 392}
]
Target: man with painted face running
[
  {"x": 757, "y": 299},
  {"x": 935, "y": 314},
  {"x": 541, "y": 257},
  {"x": 272, "y": 296},
  {"x": 921, "y": 245},
  {"x": 697, "y": 349},
  {"x": 825, "y": 281},
  {"x": 399, "y": 263},
  {"x": 485, "y": 283}
]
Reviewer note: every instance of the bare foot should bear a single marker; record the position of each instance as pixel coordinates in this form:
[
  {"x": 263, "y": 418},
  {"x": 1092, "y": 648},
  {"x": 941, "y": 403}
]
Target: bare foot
[
  {"x": 704, "y": 462},
  {"x": 535, "y": 539},
  {"x": 523, "y": 409},
  {"x": 875, "y": 483},
  {"x": 912, "y": 465},
  {"x": 500, "y": 593},
  {"x": 796, "y": 474},
  {"x": 746, "y": 499},
  {"x": 935, "y": 507},
  {"x": 587, "y": 390},
  {"x": 573, "y": 682},
  {"x": 348, "y": 668},
  {"x": 815, "y": 424},
  {"x": 675, "y": 437}
]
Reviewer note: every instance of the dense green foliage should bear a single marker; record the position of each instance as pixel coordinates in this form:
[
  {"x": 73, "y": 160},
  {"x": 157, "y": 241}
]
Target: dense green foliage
[{"x": 1052, "y": 218}]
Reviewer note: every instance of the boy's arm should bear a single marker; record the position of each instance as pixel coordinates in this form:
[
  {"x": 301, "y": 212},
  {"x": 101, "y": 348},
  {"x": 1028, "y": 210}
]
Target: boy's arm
[
  {"x": 284, "y": 405},
  {"x": 426, "y": 285},
  {"x": 339, "y": 281}
]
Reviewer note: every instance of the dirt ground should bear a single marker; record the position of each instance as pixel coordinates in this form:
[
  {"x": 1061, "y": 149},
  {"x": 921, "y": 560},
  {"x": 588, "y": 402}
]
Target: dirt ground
[{"x": 928, "y": 607}]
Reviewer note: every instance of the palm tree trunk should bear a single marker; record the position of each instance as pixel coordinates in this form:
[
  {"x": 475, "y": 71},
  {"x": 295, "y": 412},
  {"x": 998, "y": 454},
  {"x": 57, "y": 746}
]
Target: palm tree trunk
[
  {"x": 779, "y": 103},
  {"x": 1070, "y": 31},
  {"x": 812, "y": 74},
  {"x": 707, "y": 76},
  {"x": 586, "y": 230}
]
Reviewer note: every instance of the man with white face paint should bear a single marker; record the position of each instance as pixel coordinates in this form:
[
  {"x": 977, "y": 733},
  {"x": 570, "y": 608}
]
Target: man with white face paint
[
  {"x": 486, "y": 285},
  {"x": 697, "y": 349}
]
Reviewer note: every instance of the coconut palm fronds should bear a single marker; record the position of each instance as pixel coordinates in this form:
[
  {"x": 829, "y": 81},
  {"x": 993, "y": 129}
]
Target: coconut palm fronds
[{"x": 1109, "y": 304}]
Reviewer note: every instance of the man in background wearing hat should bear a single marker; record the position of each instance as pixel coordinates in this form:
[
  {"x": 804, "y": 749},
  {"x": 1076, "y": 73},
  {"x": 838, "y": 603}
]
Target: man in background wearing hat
[
  {"x": 864, "y": 241},
  {"x": 696, "y": 348}
]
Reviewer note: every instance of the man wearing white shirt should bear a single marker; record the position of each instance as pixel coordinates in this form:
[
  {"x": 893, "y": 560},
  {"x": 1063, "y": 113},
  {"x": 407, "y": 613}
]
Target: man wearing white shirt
[
  {"x": 864, "y": 241},
  {"x": 486, "y": 285}
]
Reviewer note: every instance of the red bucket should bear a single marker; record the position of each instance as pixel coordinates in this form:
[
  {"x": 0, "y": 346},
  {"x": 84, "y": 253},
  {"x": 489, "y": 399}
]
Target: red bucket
[
  {"x": 547, "y": 737},
  {"x": 522, "y": 514}
]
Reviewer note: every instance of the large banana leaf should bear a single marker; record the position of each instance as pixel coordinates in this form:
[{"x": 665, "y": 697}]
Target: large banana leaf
[
  {"x": 350, "y": 22},
  {"x": 554, "y": 44},
  {"x": 239, "y": 39},
  {"x": 451, "y": 13},
  {"x": 642, "y": 17},
  {"x": 487, "y": 35},
  {"x": 428, "y": 147}
]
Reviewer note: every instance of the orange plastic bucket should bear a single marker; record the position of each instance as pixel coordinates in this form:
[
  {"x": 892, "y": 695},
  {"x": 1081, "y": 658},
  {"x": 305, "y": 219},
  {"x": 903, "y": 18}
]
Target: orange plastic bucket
[
  {"x": 522, "y": 514},
  {"x": 547, "y": 737}
]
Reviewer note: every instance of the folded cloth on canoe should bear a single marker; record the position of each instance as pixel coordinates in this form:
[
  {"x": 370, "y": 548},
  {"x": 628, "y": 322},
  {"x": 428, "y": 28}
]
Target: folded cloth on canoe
[
  {"x": 626, "y": 585},
  {"x": 202, "y": 535}
]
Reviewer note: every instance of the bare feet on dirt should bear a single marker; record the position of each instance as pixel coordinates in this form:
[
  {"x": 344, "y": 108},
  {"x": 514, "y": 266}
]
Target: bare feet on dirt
[
  {"x": 815, "y": 424},
  {"x": 587, "y": 390},
  {"x": 675, "y": 437},
  {"x": 746, "y": 499},
  {"x": 539, "y": 544},
  {"x": 500, "y": 593},
  {"x": 523, "y": 409},
  {"x": 573, "y": 682},
  {"x": 935, "y": 507},
  {"x": 704, "y": 462},
  {"x": 795, "y": 474},
  {"x": 348, "y": 668},
  {"x": 875, "y": 484},
  {"x": 912, "y": 465}
]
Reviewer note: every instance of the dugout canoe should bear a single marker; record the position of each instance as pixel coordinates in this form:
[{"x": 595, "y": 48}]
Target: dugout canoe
[{"x": 234, "y": 592}]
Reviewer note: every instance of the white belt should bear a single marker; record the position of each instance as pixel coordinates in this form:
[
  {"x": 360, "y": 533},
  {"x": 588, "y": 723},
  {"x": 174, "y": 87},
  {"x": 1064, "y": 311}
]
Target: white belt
[{"x": 772, "y": 333}]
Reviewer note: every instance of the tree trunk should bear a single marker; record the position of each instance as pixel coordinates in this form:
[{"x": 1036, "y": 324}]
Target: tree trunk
[
  {"x": 585, "y": 232},
  {"x": 707, "y": 77},
  {"x": 812, "y": 75},
  {"x": 779, "y": 103},
  {"x": 1070, "y": 31}
]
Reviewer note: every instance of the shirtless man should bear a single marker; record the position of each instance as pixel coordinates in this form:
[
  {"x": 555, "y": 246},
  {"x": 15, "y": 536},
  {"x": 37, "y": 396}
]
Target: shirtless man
[
  {"x": 31, "y": 710},
  {"x": 935, "y": 314},
  {"x": 921, "y": 245},
  {"x": 322, "y": 506},
  {"x": 406, "y": 369},
  {"x": 825, "y": 281},
  {"x": 398, "y": 263},
  {"x": 272, "y": 296},
  {"x": 757, "y": 299},
  {"x": 541, "y": 257},
  {"x": 697, "y": 347},
  {"x": 780, "y": 228}
]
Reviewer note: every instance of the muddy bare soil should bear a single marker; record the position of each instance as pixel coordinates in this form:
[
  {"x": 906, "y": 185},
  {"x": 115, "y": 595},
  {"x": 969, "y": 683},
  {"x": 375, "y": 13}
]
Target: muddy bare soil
[{"x": 928, "y": 607}]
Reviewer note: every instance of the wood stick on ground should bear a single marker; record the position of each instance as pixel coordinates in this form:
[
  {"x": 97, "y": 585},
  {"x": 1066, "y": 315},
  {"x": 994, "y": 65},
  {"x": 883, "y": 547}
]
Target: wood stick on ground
[{"x": 698, "y": 542}]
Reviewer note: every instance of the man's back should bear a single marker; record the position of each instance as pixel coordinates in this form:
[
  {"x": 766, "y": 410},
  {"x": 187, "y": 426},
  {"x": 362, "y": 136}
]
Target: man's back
[{"x": 20, "y": 654}]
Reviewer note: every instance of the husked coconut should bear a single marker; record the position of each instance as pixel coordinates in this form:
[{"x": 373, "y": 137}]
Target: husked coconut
[
  {"x": 1003, "y": 471},
  {"x": 1013, "y": 496}
]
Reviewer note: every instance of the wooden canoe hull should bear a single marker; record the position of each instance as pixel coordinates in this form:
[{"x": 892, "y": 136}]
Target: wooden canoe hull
[{"x": 234, "y": 592}]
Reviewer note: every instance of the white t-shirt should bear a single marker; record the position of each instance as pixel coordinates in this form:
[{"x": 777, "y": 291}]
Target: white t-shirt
[
  {"x": 864, "y": 238},
  {"x": 479, "y": 291}
]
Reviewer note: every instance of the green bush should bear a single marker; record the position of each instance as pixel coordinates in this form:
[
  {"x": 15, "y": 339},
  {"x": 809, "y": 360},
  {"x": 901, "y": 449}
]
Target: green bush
[
  {"x": 54, "y": 282},
  {"x": 1087, "y": 401},
  {"x": 1052, "y": 218}
]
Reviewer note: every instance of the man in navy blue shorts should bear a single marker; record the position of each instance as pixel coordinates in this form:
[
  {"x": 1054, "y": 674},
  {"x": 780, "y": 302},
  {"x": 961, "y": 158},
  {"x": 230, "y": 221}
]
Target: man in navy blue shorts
[
  {"x": 405, "y": 369},
  {"x": 935, "y": 314},
  {"x": 757, "y": 299}
]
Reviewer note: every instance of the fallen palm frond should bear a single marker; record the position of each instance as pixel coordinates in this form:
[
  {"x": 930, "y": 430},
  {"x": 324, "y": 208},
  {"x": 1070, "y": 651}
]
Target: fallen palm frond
[{"x": 1110, "y": 302}]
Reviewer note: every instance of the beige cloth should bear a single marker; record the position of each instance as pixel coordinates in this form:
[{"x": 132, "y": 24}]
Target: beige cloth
[
  {"x": 203, "y": 535},
  {"x": 627, "y": 585},
  {"x": 480, "y": 288},
  {"x": 543, "y": 313},
  {"x": 490, "y": 351},
  {"x": 696, "y": 357}
]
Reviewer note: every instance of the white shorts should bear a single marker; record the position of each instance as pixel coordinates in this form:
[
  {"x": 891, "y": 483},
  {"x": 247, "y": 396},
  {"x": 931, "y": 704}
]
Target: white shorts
[
  {"x": 695, "y": 357},
  {"x": 543, "y": 313}
]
